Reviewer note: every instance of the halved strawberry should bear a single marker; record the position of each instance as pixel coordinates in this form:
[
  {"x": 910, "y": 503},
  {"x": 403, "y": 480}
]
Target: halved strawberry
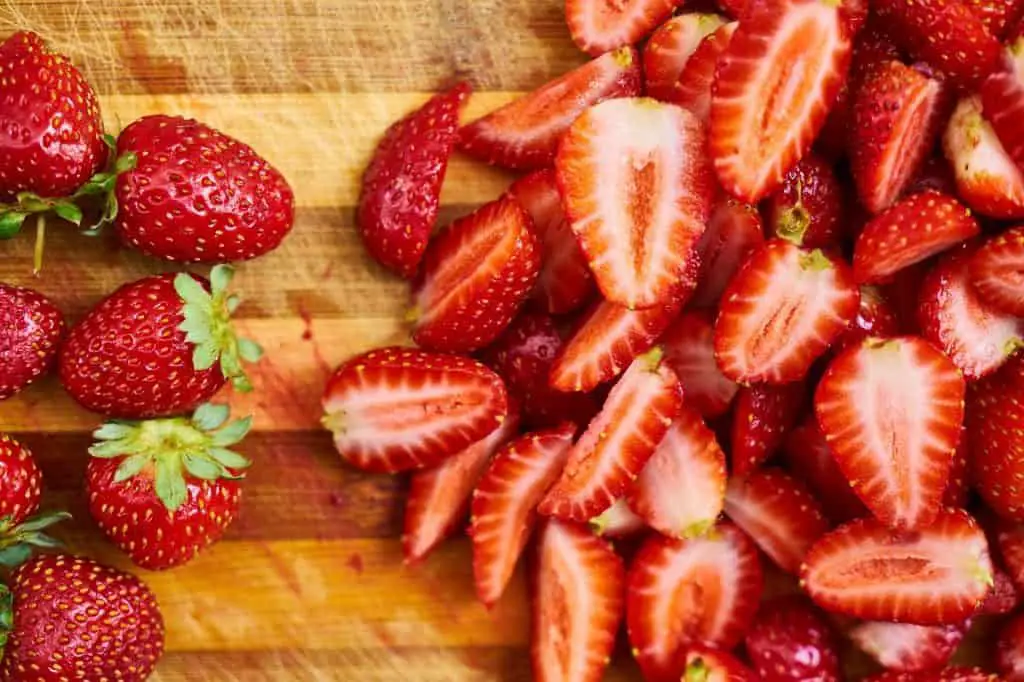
[
  {"x": 808, "y": 208},
  {"x": 564, "y": 282},
  {"x": 618, "y": 442},
  {"x": 956, "y": 674},
  {"x": 792, "y": 641},
  {"x": 597, "y": 26},
  {"x": 505, "y": 502},
  {"x": 524, "y": 134},
  {"x": 780, "y": 313},
  {"x": 783, "y": 68},
  {"x": 897, "y": 114},
  {"x": 669, "y": 49},
  {"x": 976, "y": 337},
  {"x": 906, "y": 647},
  {"x": 578, "y": 586},
  {"x": 680, "y": 593},
  {"x": 909, "y": 232},
  {"x": 994, "y": 423},
  {"x": 637, "y": 187},
  {"x": 693, "y": 90},
  {"x": 476, "y": 274},
  {"x": 763, "y": 416},
  {"x": 811, "y": 460},
  {"x": 958, "y": 489},
  {"x": 875, "y": 317},
  {"x": 1002, "y": 95},
  {"x": 734, "y": 231},
  {"x": 997, "y": 271},
  {"x": 778, "y": 513},
  {"x": 1009, "y": 656},
  {"x": 438, "y": 498},
  {"x": 936, "y": 576},
  {"x": 891, "y": 411},
  {"x": 681, "y": 490},
  {"x": 617, "y": 521},
  {"x": 703, "y": 664},
  {"x": 690, "y": 351},
  {"x": 396, "y": 409}
]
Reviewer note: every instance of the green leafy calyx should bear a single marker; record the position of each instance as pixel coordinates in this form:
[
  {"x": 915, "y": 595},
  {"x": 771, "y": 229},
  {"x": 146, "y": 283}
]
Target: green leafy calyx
[
  {"x": 18, "y": 542},
  {"x": 6, "y": 616}
]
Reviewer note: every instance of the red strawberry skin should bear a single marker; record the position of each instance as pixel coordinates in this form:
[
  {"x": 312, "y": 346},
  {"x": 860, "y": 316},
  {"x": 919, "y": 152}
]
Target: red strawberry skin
[
  {"x": 875, "y": 317},
  {"x": 791, "y": 640},
  {"x": 810, "y": 459},
  {"x": 669, "y": 49},
  {"x": 402, "y": 184},
  {"x": 53, "y": 132},
  {"x": 690, "y": 351},
  {"x": 997, "y": 271},
  {"x": 228, "y": 203},
  {"x": 1002, "y": 96},
  {"x": 994, "y": 418},
  {"x": 734, "y": 231},
  {"x": 597, "y": 26},
  {"x": 31, "y": 329},
  {"x": 808, "y": 208},
  {"x": 999, "y": 16},
  {"x": 763, "y": 416},
  {"x": 22, "y": 482}
]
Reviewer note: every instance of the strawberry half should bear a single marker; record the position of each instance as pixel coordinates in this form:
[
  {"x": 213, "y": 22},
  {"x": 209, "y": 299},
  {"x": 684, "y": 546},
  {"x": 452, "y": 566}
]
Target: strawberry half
[
  {"x": 1002, "y": 95},
  {"x": 780, "y": 313},
  {"x": 690, "y": 351},
  {"x": 669, "y": 49},
  {"x": 936, "y": 576},
  {"x": 808, "y": 208},
  {"x": 637, "y": 187},
  {"x": 693, "y": 91},
  {"x": 524, "y": 134},
  {"x": 997, "y": 271},
  {"x": 1009, "y": 656},
  {"x": 875, "y": 317},
  {"x": 618, "y": 442},
  {"x": 617, "y": 521},
  {"x": 505, "y": 503},
  {"x": 476, "y": 274},
  {"x": 734, "y": 231},
  {"x": 703, "y": 664},
  {"x": 763, "y": 416},
  {"x": 905, "y": 647},
  {"x": 395, "y": 409},
  {"x": 775, "y": 82},
  {"x": 578, "y": 583},
  {"x": 891, "y": 411},
  {"x": 792, "y": 641},
  {"x": 810, "y": 459},
  {"x": 597, "y": 26},
  {"x": 994, "y": 421}
]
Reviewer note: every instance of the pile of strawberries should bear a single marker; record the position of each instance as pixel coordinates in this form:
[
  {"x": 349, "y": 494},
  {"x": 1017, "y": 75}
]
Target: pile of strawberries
[
  {"x": 755, "y": 302},
  {"x": 162, "y": 481}
]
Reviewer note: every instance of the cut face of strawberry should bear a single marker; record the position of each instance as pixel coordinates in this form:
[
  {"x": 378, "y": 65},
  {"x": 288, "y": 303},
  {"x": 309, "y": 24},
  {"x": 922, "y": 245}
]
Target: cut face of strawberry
[
  {"x": 936, "y": 576},
  {"x": 396, "y": 409},
  {"x": 808, "y": 208},
  {"x": 690, "y": 351},
  {"x": 780, "y": 313},
  {"x": 693, "y": 90},
  {"x": 637, "y": 187},
  {"x": 524, "y": 134},
  {"x": 734, "y": 231},
  {"x": 908, "y": 648},
  {"x": 578, "y": 584},
  {"x": 997, "y": 271},
  {"x": 669, "y": 49},
  {"x": 1010, "y": 650},
  {"x": 792, "y": 641},
  {"x": 597, "y": 26},
  {"x": 1002, "y": 96},
  {"x": 763, "y": 416},
  {"x": 775, "y": 82},
  {"x": 891, "y": 411},
  {"x": 810, "y": 459},
  {"x": 618, "y": 521},
  {"x": 994, "y": 420},
  {"x": 875, "y": 317}
]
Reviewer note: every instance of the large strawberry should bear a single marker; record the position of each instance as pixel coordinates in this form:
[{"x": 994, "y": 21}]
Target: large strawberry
[
  {"x": 31, "y": 328},
  {"x": 597, "y": 26},
  {"x": 159, "y": 346}
]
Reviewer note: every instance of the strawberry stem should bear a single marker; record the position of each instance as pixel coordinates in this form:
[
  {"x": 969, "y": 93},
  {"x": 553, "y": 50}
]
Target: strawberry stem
[
  {"x": 6, "y": 616},
  {"x": 697, "y": 671},
  {"x": 17, "y": 542}
]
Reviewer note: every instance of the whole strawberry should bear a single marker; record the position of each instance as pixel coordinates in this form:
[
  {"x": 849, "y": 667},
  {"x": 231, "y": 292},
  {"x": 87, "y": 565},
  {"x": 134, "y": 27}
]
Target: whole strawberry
[
  {"x": 197, "y": 195},
  {"x": 20, "y": 482},
  {"x": 164, "y": 490},
  {"x": 70, "y": 619},
  {"x": 31, "y": 328},
  {"x": 160, "y": 346}
]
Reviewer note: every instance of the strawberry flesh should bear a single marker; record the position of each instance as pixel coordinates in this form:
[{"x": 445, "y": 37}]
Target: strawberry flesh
[
  {"x": 690, "y": 351},
  {"x": 994, "y": 421},
  {"x": 997, "y": 272},
  {"x": 905, "y": 647},
  {"x": 597, "y": 26},
  {"x": 670, "y": 48},
  {"x": 693, "y": 91}
]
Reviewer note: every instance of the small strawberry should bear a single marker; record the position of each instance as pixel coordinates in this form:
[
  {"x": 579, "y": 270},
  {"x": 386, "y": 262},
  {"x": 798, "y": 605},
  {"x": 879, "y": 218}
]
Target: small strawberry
[
  {"x": 1010, "y": 650},
  {"x": 808, "y": 208},
  {"x": 157, "y": 347},
  {"x": 597, "y": 26},
  {"x": 702, "y": 664},
  {"x": 20, "y": 482},
  {"x": 617, "y": 521},
  {"x": 811, "y": 460},
  {"x": 734, "y": 231},
  {"x": 669, "y": 49},
  {"x": 690, "y": 351},
  {"x": 31, "y": 329},
  {"x": 997, "y": 271},
  {"x": 994, "y": 419},
  {"x": 791, "y": 640},
  {"x": 696, "y": 82},
  {"x": 763, "y": 416},
  {"x": 402, "y": 184},
  {"x": 875, "y": 317},
  {"x": 905, "y": 647}
]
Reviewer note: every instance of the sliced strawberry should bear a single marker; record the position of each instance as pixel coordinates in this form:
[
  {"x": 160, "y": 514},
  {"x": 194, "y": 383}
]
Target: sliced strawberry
[
  {"x": 959, "y": 674},
  {"x": 681, "y": 490},
  {"x": 703, "y": 664},
  {"x": 891, "y": 411},
  {"x": 763, "y": 416},
  {"x": 637, "y": 187},
  {"x": 997, "y": 271},
  {"x": 438, "y": 498},
  {"x": 906, "y": 647},
  {"x": 976, "y": 337},
  {"x": 1010, "y": 650},
  {"x": 959, "y": 487},
  {"x": 897, "y": 114},
  {"x": 791, "y": 640},
  {"x": 734, "y": 231},
  {"x": 994, "y": 423},
  {"x": 618, "y": 442},
  {"x": 476, "y": 274},
  {"x": 909, "y": 232},
  {"x": 808, "y": 208},
  {"x": 1002, "y": 95},
  {"x": 810, "y": 459},
  {"x": 693, "y": 90},
  {"x": 681, "y": 593},
  {"x": 617, "y": 521},
  {"x": 874, "y": 318},
  {"x": 505, "y": 502},
  {"x": 690, "y": 351},
  {"x": 782, "y": 70},
  {"x": 564, "y": 282},
  {"x": 999, "y": 16},
  {"x": 1003, "y": 598},
  {"x": 597, "y": 26},
  {"x": 396, "y": 409},
  {"x": 524, "y": 134},
  {"x": 780, "y": 313},
  {"x": 578, "y": 585},
  {"x": 936, "y": 576},
  {"x": 402, "y": 185},
  {"x": 670, "y": 48}
]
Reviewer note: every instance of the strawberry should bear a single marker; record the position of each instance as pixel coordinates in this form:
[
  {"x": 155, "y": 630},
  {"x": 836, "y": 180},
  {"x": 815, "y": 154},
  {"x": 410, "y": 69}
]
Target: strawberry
[
  {"x": 564, "y": 282},
  {"x": 31, "y": 329},
  {"x": 896, "y": 116},
  {"x": 936, "y": 576},
  {"x": 681, "y": 490},
  {"x": 680, "y": 593},
  {"x": 1002, "y": 96},
  {"x": 1010, "y": 650},
  {"x": 157, "y": 347},
  {"x": 227, "y": 202},
  {"x": 402, "y": 184},
  {"x": 958, "y": 489},
  {"x": 476, "y": 274},
  {"x": 734, "y": 231},
  {"x": 693, "y": 90},
  {"x": 897, "y": 459},
  {"x": 947, "y": 675},
  {"x": 808, "y": 208},
  {"x": 999, "y": 16},
  {"x": 440, "y": 497},
  {"x": 791, "y": 640},
  {"x": 781, "y": 311},
  {"x": 690, "y": 351},
  {"x": 773, "y": 88},
  {"x": 976, "y": 337},
  {"x": 670, "y": 48},
  {"x": 763, "y": 416},
  {"x": 617, "y": 521},
  {"x": 935, "y": 174},
  {"x": 875, "y": 317},
  {"x": 597, "y": 26},
  {"x": 994, "y": 419},
  {"x": 578, "y": 585},
  {"x": 702, "y": 664},
  {"x": 637, "y": 188},
  {"x": 525, "y": 133},
  {"x": 20, "y": 483},
  {"x": 618, "y": 442},
  {"x": 909, "y": 232},
  {"x": 997, "y": 271},
  {"x": 1003, "y": 598},
  {"x": 810, "y": 459},
  {"x": 395, "y": 409},
  {"x": 906, "y": 647}
]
